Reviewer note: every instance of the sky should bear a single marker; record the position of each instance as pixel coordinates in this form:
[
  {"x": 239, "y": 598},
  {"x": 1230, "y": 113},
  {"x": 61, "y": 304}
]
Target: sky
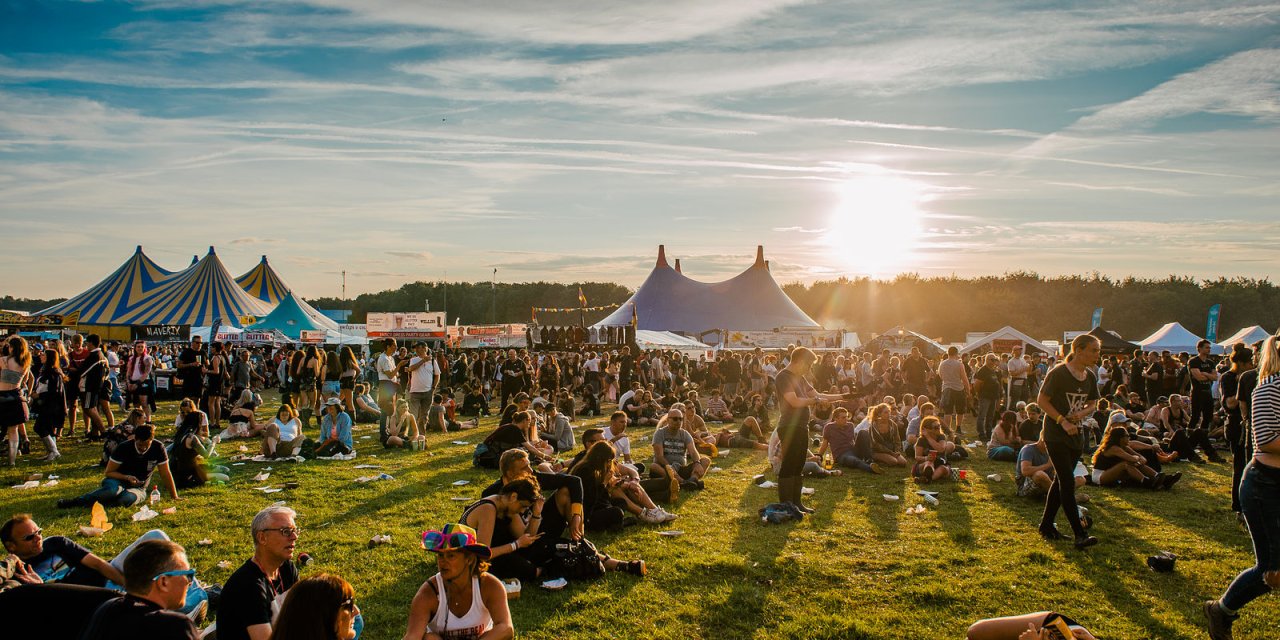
[{"x": 564, "y": 140}]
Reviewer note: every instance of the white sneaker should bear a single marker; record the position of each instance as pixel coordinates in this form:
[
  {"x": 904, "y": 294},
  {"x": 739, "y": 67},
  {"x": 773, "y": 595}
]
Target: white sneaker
[
  {"x": 651, "y": 516},
  {"x": 667, "y": 516}
]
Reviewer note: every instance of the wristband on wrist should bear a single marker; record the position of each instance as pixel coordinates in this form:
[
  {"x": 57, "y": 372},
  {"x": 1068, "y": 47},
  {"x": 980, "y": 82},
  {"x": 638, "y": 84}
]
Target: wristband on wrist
[{"x": 575, "y": 509}]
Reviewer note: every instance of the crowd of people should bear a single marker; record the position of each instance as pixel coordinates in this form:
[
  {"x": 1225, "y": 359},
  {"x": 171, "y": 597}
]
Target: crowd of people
[{"x": 1119, "y": 420}]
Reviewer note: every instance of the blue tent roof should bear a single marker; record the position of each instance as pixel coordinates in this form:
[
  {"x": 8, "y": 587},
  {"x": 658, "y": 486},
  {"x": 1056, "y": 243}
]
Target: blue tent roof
[
  {"x": 110, "y": 300},
  {"x": 293, "y": 316},
  {"x": 749, "y": 301}
]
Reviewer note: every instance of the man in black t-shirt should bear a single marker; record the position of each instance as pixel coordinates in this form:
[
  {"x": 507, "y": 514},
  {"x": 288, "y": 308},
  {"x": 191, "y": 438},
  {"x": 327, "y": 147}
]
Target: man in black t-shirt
[
  {"x": 252, "y": 595},
  {"x": 53, "y": 559},
  {"x": 1069, "y": 395},
  {"x": 1203, "y": 372},
  {"x": 129, "y": 472},
  {"x": 1137, "y": 382},
  {"x": 156, "y": 576},
  {"x": 191, "y": 369}
]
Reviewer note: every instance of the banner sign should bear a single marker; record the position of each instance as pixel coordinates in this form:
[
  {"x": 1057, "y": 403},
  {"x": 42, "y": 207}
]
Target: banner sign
[
  {"x": 258, "y": 336},
  {"x": 9, "y": 317},
  {"x": 313, "y": 337},
  {"x": 1211, "y": 329},
  {"x": 418, "y": 324},
  {"x": 352, "y": 329},
  {"x": 161, "y": 332},
  {"x": 1097, "y": 318},
  {"x": 780, "y": 339}
]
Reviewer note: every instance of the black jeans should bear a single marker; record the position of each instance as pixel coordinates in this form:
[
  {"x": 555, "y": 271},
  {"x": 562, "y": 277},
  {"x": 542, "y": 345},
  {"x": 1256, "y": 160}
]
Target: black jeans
[
  {"x": 1241, "y": 453},
  {"x": 795, "y": 449},
  {"x": 1201, "y": 410},
  {"x": 1062, "y": 494}
]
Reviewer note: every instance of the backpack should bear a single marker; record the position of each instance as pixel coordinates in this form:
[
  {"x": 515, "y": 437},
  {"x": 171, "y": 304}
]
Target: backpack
[
  {"x": 577, "y": 559},
  {"x": 780, "y": 512}
]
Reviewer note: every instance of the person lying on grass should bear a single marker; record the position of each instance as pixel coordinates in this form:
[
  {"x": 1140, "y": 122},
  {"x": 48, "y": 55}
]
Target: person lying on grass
[{"x": 750, "y": 436}]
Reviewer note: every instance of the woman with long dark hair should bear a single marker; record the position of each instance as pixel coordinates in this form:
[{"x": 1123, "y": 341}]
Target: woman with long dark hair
[
  {"x": 1259, "y": 499},
  {"x": 321, "y": 607},
  {"x": 1237, "y": 436},
  {"x": 349, "y": 368},
  {"x": 1069, "y": 395},
  {"x": 795, "y": 397},
  {"x": 51, "y": 400}
]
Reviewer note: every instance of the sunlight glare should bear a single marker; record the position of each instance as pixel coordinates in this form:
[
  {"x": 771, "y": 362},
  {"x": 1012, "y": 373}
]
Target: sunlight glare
[{"x": 876, "y": 225}]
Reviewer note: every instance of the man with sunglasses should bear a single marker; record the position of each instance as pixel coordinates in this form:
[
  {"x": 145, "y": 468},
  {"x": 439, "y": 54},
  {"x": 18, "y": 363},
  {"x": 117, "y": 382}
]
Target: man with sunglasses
[
  {"x": 156, "y": 578},
  {"x": 253, "y": 594},
  {"x": 675, "y": 455},
  {"x": 53, "y": 559}
]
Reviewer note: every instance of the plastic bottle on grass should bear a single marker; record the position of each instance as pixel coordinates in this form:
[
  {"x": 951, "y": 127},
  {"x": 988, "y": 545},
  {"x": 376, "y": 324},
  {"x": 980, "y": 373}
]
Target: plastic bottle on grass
[{"x": 155, "y": 494}]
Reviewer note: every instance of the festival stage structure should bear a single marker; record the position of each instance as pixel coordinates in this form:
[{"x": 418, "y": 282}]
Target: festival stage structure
[{"x": 668, "y": 300}]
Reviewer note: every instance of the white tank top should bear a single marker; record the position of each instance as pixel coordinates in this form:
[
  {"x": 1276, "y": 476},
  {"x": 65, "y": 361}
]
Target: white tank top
[{"x": 450, "y": 627}]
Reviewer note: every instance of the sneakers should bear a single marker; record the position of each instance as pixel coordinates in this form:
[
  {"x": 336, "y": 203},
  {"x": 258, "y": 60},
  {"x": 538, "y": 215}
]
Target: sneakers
[
  {"x": 1085, "y": 541},
  {"x": 652, "y": 516},
  {"x": 1219, "y": 621},
  {"x": 1171, "y": 480},
  {"x": 1052, "y": 533},
  {"x": 689, "y": 485},
  {"x": 199, "y": 613},
  {"x": 636, "y": 568},
  {"x": 667, "y": 516},
  {"x": 876, "y": 468}
]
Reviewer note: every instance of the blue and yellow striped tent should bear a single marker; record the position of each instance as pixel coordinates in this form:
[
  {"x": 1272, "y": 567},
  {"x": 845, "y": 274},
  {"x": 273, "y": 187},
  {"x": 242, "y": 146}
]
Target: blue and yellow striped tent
[
  {"x": 262, "y": 283},
  {"x": 198, "y": 296},
  {"x": 122, "y": 291}
]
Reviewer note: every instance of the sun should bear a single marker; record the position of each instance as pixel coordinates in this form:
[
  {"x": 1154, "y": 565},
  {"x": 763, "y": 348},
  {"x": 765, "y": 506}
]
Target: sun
[{"x": 875, "y": 227}]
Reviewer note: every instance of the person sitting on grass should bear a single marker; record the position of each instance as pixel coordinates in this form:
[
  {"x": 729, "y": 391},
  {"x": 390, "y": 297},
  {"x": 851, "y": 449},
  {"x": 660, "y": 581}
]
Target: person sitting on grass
[
  {"x": 56, "y": 558},
  {"x": 650, "y": 412},
  {"x": 335, "y": 430},
  {"x": 321, "y": 606},
  {"x": 438, "y": 417},
  {"x": 629, "y": 492},
  {"x": 252, "y": 595},
  {"x": 191, "y": 454},
  {"x": 514, "y": 435},
  {"x": 932, "y": 450},
  {"x": 616, "y": 433},
  {"x": 284, "y": 434},
  {"x": 749, "y": 436},
  {"x": 675, "y": 454},
  {"x": 156, "y": 578},
  {"x": 1029, "y": 429},
  {"x": 1149, "y": 447},
  {"x": 1034, "y": 472},
  {"x": 885, "y": 442},
  {"x": 129, "y": 473},
  {"x": 599, "y": 478},
  {"x": 1115, "y": 463},
  {"x": 840, "y": 440},
  {"x": 566, "y": 498},
  {"x": 367, "y": 409},
  {"x": 923, "y": 410},
  {"x": 559, "y": 432},
  {"x": 241, "y": 422},
  {"x": 473, "y": 401},
  {"x": 1005, "y": 442},
  {"x": 462, "y": 600},
  {"x": 402, "y": 428},
  {"x": 696, "y": 427},
  {"x": 717, "y": 408}
]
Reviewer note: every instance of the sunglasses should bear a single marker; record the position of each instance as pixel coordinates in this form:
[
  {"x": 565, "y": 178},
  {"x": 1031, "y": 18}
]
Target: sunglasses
[
  {"x": 186, "y": 573},
  {"x": 438, "y": 540},
  {"x": 286, "y": 531},
  {"x": 675, "y": 419},
  {"x": 32, "y": 536},
  {"x": 349, "y": 604}
]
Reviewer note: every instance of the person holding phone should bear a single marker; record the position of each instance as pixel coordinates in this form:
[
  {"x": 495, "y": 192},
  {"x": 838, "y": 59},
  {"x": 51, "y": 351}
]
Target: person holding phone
[{"x": 1069, "y": 395}]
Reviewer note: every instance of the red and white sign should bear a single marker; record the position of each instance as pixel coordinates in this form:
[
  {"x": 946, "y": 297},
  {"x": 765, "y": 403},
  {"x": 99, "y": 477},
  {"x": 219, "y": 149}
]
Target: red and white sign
[
  {"x": 419, "y": 324},
  {"x": 312, "y": 337}
]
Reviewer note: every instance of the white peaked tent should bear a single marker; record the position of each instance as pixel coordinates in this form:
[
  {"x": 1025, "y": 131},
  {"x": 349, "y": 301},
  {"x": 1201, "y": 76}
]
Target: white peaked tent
[
  {"x": 667, "y": 340},
  {"x": 1247, "y": 335},
  {"x": 1003, "y": 340},
  {"x": 1175, "y": 338}
]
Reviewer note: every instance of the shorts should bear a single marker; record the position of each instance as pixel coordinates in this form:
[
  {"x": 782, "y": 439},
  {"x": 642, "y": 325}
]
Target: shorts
[
  {"x": 330, "y": 387},
  {"x": 13, "y": 409},
  {"x": 1027, "y": 488},
  {"x": 90, "y": 399},
  {"x": 1096, "y": 477},
  {"x": 144, "y": 388},
  {"x": 685, "y": 472},
  {"x": 954, "y": 401},
  {"x": 348, "y": 382}
]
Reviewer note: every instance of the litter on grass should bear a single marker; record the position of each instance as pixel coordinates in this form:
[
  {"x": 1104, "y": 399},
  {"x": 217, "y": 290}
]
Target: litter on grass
[
  {"x": 30, "y": 484},
  {"x": 366, "y": 466},
  {"x": 461, "y": 442},
  {"x": 145, "y": 513},
  {"x": 205, "y": 542},
  {"x": 459, "y": 483},
  {"x": 767, "y": 484},
  {"x": 807, "y": 491},
  {"x": 261, "y": 477},
  {"x": 224, "y": 564},
  {"x": 889, "y": 497}
]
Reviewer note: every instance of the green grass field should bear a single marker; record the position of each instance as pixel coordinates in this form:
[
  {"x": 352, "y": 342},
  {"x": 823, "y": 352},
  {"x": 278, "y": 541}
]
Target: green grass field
[{"x": 861, "y": 568}]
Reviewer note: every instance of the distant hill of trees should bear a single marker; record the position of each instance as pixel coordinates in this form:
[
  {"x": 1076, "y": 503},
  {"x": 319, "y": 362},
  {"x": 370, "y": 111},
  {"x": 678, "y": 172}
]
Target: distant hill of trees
[
  {"x": 948, "y": 307},
  {"x": 940, "y": 307}
]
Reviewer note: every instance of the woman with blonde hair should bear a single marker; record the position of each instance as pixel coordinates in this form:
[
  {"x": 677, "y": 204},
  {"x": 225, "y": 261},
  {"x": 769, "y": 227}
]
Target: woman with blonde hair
[{"x": 15, "y": 368}]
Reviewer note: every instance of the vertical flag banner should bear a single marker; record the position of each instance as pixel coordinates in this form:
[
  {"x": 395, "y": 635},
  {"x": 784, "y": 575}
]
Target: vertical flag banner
[
  {"x": 1097, "y": 318},
  {"x": 1211, "y": 328}
]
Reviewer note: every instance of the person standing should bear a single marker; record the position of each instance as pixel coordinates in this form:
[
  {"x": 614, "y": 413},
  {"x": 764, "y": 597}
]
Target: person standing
[
  {"x": 15, "y": 366},
  {"x": 513, "y": 371},
  {"x": 51, "y": 403},
  {"x": 422, "y": 376},
  {"x": 1236, "y": 434},
  {"x": 955, "y": 390},
  {"x": 795, "y": 396},
  {"x": 387, "y": 385},
  {"x": 1069, "y": 395},
  {"x": 1259, "y": 499},
  {"x": 1017, "y": 368},
  {"x": 191, "y": 369},
  {"x": 1203, "y": 372}
]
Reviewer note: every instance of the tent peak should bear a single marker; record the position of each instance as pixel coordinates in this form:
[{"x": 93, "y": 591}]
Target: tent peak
[
  {"x": 264, "y": 259},
  {"x": 211, "y": 251},
  {"x": 662, "y": 256},
  {"x": 195, "y": 259},
  {"x": 678, "y": 266},
  {"x": 138, "y": 249},
  {"x": 760, "y": 257}
]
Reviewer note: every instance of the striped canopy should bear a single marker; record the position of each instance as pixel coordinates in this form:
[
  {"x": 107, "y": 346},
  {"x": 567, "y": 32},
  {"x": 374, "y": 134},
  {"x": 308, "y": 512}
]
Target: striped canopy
[
  {"x": 198, "y": 296},
  {"x": 122, "y": 291},
  {"x": 262, "y": 283}
]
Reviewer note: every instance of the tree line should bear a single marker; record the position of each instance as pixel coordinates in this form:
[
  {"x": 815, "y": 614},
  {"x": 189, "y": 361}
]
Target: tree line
[{"x": 939, "y": 307}]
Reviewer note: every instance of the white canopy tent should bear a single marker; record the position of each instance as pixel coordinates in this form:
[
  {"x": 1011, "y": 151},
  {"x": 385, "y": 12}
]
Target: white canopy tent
[
  {"x": 669, "y": 341},
  {"x": 1247, "y": 335},
  {"x": 1004, "y": 340},
  {"x": 1174, "y": 338}
]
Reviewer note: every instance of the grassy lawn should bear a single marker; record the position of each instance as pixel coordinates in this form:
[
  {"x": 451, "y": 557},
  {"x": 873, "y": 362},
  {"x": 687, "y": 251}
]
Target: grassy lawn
[{"x": 861, "y": 568}]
